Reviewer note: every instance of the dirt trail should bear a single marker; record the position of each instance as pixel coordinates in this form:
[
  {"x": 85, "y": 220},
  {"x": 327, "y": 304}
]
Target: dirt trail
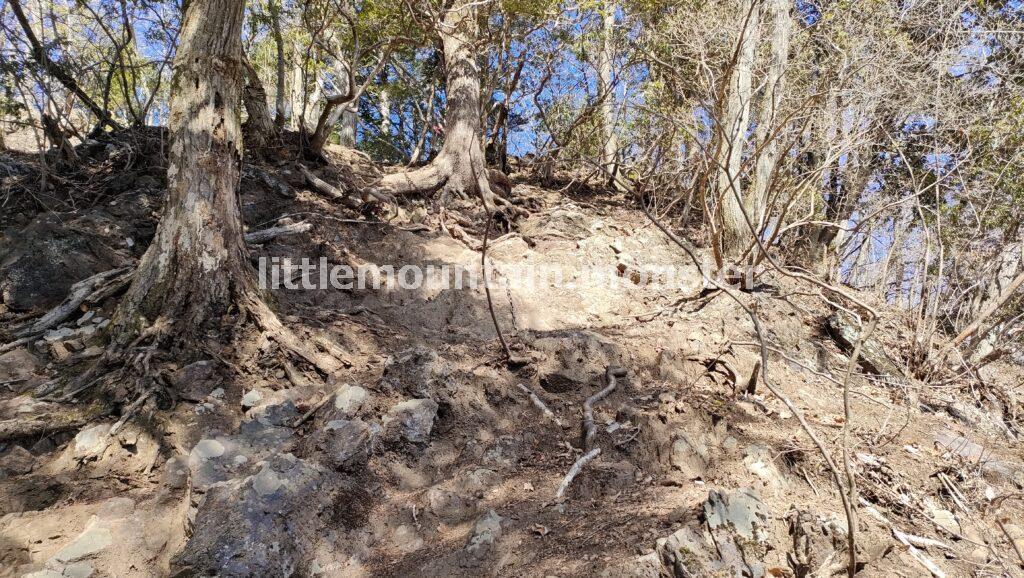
[{"x": 431, "y": 459}]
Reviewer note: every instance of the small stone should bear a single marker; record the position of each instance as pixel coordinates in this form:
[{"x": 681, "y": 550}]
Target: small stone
[
  {"x": 450, "y": 507},
  {"x": 58, "y": 334},
  {"x": 277, "y": 414},
  {"x": 93, "y": 540},
  {"x": 208, "y": 448},
  {"x": 406, "y": 539},
  {"x": 412, "y": 419},
  {"x": 267, "y": 481},
  {"x": 16, "y": 461},
  {"x": 486, "y": 532},
  {"x": 349, "y": 399},
  {"x": 251, "y": 398},
  {"x": 217, "y": 393},
  {"x": 92, "y": 441},
  {"x": 85, "y": 318},
  {"x": 175, "y": 474}
]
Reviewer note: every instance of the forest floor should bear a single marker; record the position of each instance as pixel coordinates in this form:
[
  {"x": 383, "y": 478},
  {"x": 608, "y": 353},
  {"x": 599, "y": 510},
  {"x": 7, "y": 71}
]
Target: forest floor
[{"x": 429, "y": 457}]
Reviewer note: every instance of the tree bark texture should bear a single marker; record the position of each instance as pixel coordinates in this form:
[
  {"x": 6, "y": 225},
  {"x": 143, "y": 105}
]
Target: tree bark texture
[{"x": 196, "y": 266}]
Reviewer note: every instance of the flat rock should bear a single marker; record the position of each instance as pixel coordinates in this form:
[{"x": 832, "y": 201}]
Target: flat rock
[
  {"x": 741, "y": 510},
  {"x": 93, "y": 540},
  {"x": 91, "y": 441}
]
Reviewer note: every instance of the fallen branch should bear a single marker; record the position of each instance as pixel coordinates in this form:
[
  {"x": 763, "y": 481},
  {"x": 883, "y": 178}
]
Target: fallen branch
[
  {"x": 327, "y": 189},
  {"x": 1013, "y": 543},
  {"x": 537, "y": 401},
  {"x": 258, "y": 237},
  {"x": 920, "y": 557},
  {"x": 575, "y": 471},
  {"x": 589, "y": 429}
]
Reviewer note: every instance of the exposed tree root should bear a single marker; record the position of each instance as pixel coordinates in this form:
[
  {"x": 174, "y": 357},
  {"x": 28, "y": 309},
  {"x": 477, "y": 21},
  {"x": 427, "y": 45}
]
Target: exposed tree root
[
  {"x": 589, "y": 429},
  {"x": 264, "y": 235},
  {"x": 49, "y": 422},
  {"x": 575, "y": 471},
  {"x": 90, "y": 290}
]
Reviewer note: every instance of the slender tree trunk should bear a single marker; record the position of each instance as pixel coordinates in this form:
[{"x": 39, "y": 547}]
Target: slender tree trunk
[
  {"x": 196, "y": 266},
  {"x": 259, "y": 128},
  {"x": 428, "y": 122},
  {"x": 736, "y": 234},
  {"x": 606, "y": 59},
  {"x": 767, "y": 123},
  {"x": 298, "y": 90},
  {"x": 279, "y": 96},
  {"x": 349, "y": 119},
  {"x": 385, "y": 106}
]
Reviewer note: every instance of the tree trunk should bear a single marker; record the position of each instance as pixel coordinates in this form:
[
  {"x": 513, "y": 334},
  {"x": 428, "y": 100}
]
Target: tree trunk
[
  {"x": 606, "y": 59},
  {"x": 197, "y": 266},
  {"x": 385, "y": 107},
  {"x": 736, "y": 235},
  {"x": 428, "y": 122},
  {"x": 279, "y": 98},
  {"x": 460, "y": 167},
  {"x": 767, "y": 125},
  {"x": 259, "y": 128},
  {"x": 298, "y": 90}
]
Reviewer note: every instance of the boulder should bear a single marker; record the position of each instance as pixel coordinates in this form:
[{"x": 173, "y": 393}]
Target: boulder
[
  {"x": 411, "y": 420},
  {"x": 49, "y": 257},
  {"x": 348, "y": 443},
  {"x": 268, "y": 523},
  {"x": 873, "y": 357}
]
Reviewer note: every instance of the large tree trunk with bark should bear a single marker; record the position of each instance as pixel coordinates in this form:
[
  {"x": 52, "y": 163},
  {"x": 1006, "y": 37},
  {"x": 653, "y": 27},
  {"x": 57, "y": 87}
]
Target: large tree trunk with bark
[
  {"x": 460, "y": 167},
  {"x": 736, "y": 234},
  {"x": 196, "y": 267},
  {"x": 196, "y": 271}
]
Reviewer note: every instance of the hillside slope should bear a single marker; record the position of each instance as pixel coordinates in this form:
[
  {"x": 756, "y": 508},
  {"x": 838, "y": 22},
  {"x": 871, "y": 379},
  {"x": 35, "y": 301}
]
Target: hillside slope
[{"x": 431, "y": 456}]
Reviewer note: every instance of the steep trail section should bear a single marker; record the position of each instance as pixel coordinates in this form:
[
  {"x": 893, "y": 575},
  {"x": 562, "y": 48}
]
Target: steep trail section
[{"x": 425, "y": 455}]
